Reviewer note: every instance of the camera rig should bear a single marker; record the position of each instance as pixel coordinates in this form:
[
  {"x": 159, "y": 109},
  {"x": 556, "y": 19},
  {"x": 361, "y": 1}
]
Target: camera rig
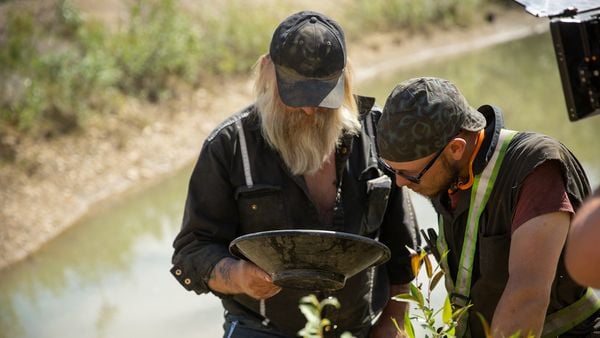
[{"x": 575, "y": 29}]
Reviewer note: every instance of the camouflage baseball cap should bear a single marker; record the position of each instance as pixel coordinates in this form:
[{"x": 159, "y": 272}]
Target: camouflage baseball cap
[
  {"x": 421, "y": 116},
  {"x": 308, "y": 50}
]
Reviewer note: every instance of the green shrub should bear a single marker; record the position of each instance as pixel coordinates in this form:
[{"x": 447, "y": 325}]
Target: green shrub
[
  {"x": 389, "y": 15},
  {"x": 49, "y": 84},
  {"x": 158, "y": 46},
  {"x": 234, "y": 36},
  {"x": 58, "y": 67}
]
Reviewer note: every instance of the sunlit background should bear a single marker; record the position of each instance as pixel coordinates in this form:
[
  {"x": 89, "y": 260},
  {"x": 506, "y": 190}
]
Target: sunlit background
[{"x": 108, "y": 275}]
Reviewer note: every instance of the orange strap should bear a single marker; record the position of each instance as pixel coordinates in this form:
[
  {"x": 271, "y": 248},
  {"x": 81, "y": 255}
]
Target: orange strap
[{"x": 466, "y": 185}]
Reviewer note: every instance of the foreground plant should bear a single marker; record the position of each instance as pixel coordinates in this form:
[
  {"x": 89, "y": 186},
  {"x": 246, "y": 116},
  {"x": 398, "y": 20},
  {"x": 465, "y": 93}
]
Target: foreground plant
[
  {"x": 426, "y": 314},
  {"x": 312, "y": 309}
]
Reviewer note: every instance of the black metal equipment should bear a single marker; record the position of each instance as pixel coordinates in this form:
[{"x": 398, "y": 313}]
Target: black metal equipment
[{"x": 575, "y": 29}]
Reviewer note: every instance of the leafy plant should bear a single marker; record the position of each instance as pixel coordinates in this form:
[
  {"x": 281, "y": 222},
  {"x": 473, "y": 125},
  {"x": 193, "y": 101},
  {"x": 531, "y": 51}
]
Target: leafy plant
[
  {"x": 427, "y": 314},
  {"x": 312, "y": 309}
]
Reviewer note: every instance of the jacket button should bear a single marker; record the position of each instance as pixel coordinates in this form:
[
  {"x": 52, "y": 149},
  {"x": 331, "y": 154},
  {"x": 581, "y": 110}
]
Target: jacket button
[
  {"x": 344, "y": 150},
  {"x": 178, "y": 272},
  {"x": 187, "y": 281}
]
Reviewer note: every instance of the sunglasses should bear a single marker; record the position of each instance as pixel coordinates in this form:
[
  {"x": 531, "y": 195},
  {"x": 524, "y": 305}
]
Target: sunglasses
[{"x": 416, "y": 179}]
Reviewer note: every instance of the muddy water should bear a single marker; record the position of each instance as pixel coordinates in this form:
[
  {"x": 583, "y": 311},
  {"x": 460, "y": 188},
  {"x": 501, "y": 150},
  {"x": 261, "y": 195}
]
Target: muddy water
[{"x": 108, "y": 276}]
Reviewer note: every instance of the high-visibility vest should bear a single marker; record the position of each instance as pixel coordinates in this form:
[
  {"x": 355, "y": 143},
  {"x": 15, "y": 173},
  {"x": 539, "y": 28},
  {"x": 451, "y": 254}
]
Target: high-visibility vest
[{"x": 459, "y": 290}]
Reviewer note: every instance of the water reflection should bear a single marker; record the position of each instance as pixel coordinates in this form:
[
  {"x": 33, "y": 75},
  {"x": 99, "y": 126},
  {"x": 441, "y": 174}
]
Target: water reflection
[{"x": 108, "y": 276}]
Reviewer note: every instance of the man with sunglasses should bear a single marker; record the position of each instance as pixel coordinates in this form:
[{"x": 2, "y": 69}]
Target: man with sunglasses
[{"x": 504, "y": 201}]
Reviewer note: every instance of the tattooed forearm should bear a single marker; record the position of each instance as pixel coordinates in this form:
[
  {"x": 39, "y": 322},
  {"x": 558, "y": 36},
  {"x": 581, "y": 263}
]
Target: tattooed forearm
[
  {"x": 221, "y": 274},
  {"x": 225, "y": 270}
]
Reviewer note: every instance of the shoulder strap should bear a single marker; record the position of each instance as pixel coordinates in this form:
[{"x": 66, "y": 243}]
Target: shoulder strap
[{"x": 244, "y": 151}]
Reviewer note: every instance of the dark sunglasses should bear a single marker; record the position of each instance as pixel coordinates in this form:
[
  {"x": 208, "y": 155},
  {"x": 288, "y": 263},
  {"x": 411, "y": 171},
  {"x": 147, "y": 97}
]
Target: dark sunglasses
[{"x": 416, "y": 179}]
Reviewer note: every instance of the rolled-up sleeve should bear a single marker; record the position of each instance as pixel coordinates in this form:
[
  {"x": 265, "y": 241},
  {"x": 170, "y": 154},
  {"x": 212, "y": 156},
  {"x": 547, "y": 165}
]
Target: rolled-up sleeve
[{"x": 210, "y": 218}]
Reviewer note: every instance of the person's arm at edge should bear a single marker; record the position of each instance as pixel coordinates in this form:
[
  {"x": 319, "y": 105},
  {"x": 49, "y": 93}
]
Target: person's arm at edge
[
  {"x": 534, "y": 253},
  {"x": 582, "y": 250},
  {"x": 384, "y": 326}
]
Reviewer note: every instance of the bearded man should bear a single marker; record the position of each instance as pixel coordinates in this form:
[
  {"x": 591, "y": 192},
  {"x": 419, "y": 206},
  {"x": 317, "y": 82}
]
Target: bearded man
[
  {"x": 302, "y": 156},
  {"x": 504, "y": 200}
]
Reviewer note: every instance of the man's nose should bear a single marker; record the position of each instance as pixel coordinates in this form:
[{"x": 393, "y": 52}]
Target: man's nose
[{"x": 309, "y": 110}]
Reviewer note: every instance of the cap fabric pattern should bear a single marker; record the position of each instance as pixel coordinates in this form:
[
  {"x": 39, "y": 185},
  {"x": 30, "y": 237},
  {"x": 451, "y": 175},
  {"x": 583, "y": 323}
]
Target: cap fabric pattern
[
  {"x": 309, "y": 53},
  {"x": 421, "y": 116}
]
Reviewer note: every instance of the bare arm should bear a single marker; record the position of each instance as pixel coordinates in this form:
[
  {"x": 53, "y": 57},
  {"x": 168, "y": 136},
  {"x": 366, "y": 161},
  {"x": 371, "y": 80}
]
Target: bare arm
[
  {"x": 232, "y": 276},
  {"x": 534, "y": 253},
  {"x": 583, "y": 250},
  {"x": 384, "y": 326}
]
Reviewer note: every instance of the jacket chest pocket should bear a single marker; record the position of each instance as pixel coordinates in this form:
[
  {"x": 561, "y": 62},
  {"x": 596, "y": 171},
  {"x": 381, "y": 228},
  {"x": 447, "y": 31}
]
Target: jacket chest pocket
[
  {"x": 260, "y": 208},
  {"x": 493, "y": 258},
  {"x": 378, "y": 190}
]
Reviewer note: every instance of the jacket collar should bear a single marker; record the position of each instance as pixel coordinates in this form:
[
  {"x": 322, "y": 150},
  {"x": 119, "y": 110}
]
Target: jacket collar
[{"x": 495, "y": 122}]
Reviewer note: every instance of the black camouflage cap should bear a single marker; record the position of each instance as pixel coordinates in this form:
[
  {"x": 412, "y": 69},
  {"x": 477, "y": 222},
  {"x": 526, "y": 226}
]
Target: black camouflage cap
[
  {"x": 309, "y": 53},
  {"x": 421, "y": 116}
]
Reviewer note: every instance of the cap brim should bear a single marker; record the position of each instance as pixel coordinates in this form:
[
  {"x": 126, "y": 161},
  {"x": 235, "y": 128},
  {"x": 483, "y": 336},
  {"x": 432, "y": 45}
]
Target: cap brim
[
  {"x": 474, "y": 120},
  {"x": 298, "y": 91}
]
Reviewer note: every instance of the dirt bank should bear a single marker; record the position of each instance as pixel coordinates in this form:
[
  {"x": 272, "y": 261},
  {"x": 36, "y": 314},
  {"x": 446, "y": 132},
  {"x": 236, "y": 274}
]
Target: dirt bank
[{"x": 54, "y": 183}]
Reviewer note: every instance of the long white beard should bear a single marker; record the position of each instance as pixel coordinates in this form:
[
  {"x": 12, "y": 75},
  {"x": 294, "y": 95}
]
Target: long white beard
[{"x": 305, "y": 141}]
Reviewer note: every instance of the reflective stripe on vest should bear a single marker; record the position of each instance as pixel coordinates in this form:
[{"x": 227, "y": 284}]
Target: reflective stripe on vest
[
  {"x": 480, "y": 193},
  {"x": 568, "y": 317},
  {"x": 556, "y": 323}
]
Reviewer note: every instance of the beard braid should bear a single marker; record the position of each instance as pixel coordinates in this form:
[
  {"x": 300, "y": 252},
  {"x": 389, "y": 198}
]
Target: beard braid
[{"x": 304, "y": 141}]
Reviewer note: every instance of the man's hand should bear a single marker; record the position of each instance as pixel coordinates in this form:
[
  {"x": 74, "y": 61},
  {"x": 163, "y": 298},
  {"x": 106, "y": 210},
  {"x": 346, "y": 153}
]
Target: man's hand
[
  {"x": 385, "y": 328},
  {"x": 382, "y": 330},
  {"x": 232, "y": 276}
]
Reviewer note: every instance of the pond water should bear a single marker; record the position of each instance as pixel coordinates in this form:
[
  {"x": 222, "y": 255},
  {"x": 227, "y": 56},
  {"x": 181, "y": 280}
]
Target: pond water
[{"x": 108, "y": 275}]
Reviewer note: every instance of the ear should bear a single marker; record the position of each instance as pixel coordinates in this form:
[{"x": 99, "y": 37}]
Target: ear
[
  {"x": 457, "y": 148},
  {"x": 265, "y": 59}
]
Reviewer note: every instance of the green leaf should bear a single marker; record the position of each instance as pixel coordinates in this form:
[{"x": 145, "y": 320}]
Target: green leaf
[
  {"x": 408, "y": 328},
  {"x": 416, "y": 293},
  {"x": 310, "y": 299},
  {"x": 447, "y": 312},
  {"x": 435, "y": 280},
  {"x": 516, "y": 334},
  {"x": 310, "y": 312},
  {"x": 485, "y": 325},
  {"x": 457, "y": 314},
  {"x": 428, "y": 266},
  {"x": 330, "y": 301},
  {"x": 405, "y": 297}
]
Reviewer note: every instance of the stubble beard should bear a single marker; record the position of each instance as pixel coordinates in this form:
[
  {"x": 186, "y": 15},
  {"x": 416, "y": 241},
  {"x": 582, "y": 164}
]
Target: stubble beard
[{"x": 444, "y": 180}]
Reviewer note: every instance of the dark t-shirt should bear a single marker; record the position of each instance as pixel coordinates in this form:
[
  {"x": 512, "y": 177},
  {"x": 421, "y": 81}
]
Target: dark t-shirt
[{"x": 543, "y": 192}]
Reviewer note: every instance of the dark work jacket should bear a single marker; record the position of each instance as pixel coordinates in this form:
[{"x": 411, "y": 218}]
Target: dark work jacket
[
  {"x": 218, "y": 209},
  {"x": 490, "y": 271}
]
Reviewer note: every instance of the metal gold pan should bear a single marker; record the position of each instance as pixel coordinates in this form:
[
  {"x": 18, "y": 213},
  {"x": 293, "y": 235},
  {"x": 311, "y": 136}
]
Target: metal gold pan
[{"x": 310, "y": 259}]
